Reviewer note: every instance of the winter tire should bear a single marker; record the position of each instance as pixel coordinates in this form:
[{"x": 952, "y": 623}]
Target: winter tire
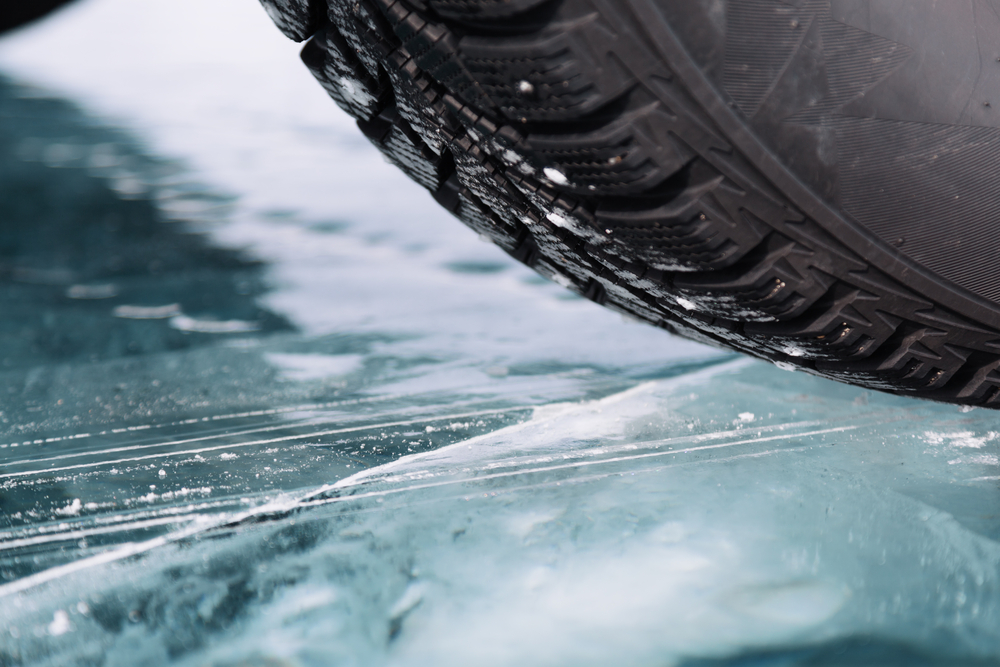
[{"x": 812, "y": 182}]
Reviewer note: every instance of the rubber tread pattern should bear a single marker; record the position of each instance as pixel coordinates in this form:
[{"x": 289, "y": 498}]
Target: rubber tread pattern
[
  {"x": 297, "y": 19},
  {"x": 687, "y": 233},
  {"x": 337, "y": 68},
  {"x": 478, "y": 10},
  {"x": 548, "y": 77}
]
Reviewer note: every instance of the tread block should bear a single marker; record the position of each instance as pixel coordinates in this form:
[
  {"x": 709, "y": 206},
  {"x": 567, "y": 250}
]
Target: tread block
[
  {"x": 336, "y": 66},
  {"x": 397, "y": 141},
  {"x": 433, "y": 49},
  {"x": 480, "y": 10},
  {"x": 982, "y": 384},
  {"x": 834, "y": 328},
  {"x": 461, "y": 203},
  {"x": 416, "y": 99},
  {"x": 630, "y": 154},
  {"x": 551, "y": 76},
  {"x": 700, "y": 227},
  {"x": 916, "y": 359},
  {"x": 365, "y": 30},
  {"x": 297, "y": 19},
  {"x": 774, "y": 282},
  {"x": 556, "y": 210},
  {"x": 485, "y": 180}
]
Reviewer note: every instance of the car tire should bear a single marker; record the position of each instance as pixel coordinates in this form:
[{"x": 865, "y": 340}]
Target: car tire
[{"x": 811, "y": 182}]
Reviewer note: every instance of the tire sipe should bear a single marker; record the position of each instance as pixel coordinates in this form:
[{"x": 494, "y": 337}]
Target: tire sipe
[{"x": 812, "y": 182}]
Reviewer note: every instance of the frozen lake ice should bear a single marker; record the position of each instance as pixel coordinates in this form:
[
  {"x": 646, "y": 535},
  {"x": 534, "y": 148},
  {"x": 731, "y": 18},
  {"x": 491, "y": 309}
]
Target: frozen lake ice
[{"x": 263, "y": 403}]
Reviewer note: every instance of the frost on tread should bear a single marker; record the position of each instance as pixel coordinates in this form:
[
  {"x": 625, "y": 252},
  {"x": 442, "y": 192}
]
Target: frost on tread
[{"x": 580, "y": 137}]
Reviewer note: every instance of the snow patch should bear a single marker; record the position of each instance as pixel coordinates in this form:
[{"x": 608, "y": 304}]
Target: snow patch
[
  {"x": 60, "y": 624},
  {"x": 555, "y": 176},
  {"x": 72, "y": 509}
]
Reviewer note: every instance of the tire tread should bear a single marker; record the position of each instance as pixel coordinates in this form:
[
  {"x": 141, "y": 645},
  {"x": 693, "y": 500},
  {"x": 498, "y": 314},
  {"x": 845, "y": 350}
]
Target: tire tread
[{"x": 603, "y": 172}]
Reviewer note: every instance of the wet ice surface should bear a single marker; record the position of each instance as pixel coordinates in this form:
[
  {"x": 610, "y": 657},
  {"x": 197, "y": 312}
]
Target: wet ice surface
[{"x": 261, "y": 403}]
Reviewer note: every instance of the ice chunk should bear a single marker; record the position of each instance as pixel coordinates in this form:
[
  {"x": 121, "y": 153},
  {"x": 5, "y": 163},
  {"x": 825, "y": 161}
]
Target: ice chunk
[
  {"x": 185, "y": 323},
  {"x": 60, "y": 624},
  {"x": 131, "y": 312}
]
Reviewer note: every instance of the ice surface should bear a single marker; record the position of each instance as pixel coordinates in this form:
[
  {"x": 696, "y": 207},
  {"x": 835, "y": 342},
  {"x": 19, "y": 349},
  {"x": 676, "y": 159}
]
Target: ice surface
[
  {"x": 655, "y": 525},
  {"x": 262, "y": 403}
]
